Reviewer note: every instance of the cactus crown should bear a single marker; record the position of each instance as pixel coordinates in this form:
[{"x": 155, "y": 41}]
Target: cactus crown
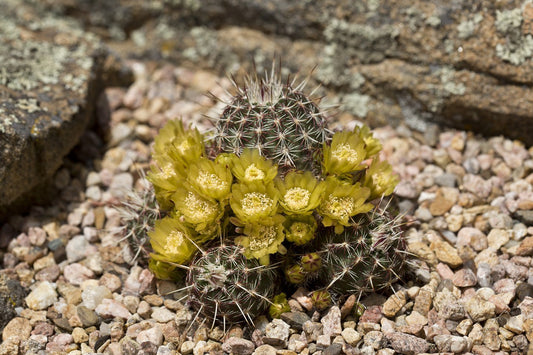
[
  {"x": 229, "y": 287},
  {"x": 277, "y": 119}
]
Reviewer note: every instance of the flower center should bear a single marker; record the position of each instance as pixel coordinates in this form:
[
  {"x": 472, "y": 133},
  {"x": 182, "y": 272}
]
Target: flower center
[
  {"x": 340, "y": 207},
  {"x": 211, "y": 181},
  {"x": 174, "y": 242},
  {"x": 168, "y": 171},
  {"x": 184, "y": 146},
  {"x": 346, "y": 153},
  {"x": 297, "y": 198},
  {"x": 252, "y": 172},
  {"x": 265, "y": 236},
  {"x": 198, "y": 208},
  {"x": 255, "y": 202},
  {"x": 300, "y": 229}
]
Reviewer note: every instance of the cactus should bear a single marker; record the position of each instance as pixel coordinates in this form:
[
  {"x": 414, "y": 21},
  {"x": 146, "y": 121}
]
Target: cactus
[
  {"x": 369, "y": 255},
  {"x": 226, "y": 286},
  {"x": 139, "y": 212},
  {"x": 276, "y": 118}
]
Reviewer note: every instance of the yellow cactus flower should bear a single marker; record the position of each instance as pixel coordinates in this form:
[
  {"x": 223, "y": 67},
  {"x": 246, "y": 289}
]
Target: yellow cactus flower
[
  {"x": 163, "y": 270},
  {"x": 200, "y": 212},
  {"x": 372, "y": 145},
  {"x": 300, "y": 229},
  {"x": 300, "y": 193},
  {"x": 380, "y": 179},
  {"x": 345, "y": 154},
  {"x": 279, "y": 306},
  {"x": 171, "y": 241},
  {"x": 251, "y": 166},
  {"x": 254, "y": 201},
  {"x": 262, "y": 239},
  {"x": 180, "y": 144},
  {"x": 166, "y": 179},
  {"x": 341, "y": 202},
  {"x": 210, "y": 179}
]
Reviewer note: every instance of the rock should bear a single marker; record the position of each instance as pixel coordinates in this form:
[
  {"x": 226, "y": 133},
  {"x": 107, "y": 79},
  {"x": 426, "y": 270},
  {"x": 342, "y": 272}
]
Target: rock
[
  {"x": 497, "y": 238},
  {"x": 153, "y": 335},
  {"x": 277, "y": 333},
  {"x": 53, "y": 72},
  {"x": 265, "y": 349},
  {"x": 479, "y": 309},
  {"x": 17, "y": 329},
  {"x": 333, "y": 349},
  {"x": 464, "y": 278},
  {"x": 446, "y": 253},
  {"x": 331, "y": 322},
  {"x": 12, "y": 295},
  {"x": 295, "y": 319},
  {"x": 444, "y": 200},
  {"x": 110, "y": 308},
  {"x": 93, "y": 295},
  {"x": 351, "y": 336},
  {"x": 162, "y": 314},
  {"x": 42, "y": 296},
  {"x": 526, "y": 247},
  {"x": 451, "y": 343},
  {"x": 393, "y": 304},
  {"x": 406, "y": 343},
  {"x": 78, "y": 248},
  {"x": 238, "y": 346}
]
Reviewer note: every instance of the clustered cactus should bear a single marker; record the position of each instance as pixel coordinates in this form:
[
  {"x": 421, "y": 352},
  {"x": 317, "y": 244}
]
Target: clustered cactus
[{"x": 273, "y": 193}]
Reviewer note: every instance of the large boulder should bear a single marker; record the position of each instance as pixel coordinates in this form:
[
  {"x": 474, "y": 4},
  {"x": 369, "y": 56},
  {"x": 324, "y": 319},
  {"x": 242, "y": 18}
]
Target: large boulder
[
  {"x": 459, "y": 63},
  {"x": 50, "y": 76}
]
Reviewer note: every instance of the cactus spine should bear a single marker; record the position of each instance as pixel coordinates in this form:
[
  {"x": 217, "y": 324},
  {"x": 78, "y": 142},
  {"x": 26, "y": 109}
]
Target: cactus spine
[
  {"x": 277, "y": 119},
  {"x": 226, "y": 286}
]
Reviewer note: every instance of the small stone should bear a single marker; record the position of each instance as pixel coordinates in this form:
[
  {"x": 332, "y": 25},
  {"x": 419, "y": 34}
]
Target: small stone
[
  {"x": 351, "y": 336},
  {"x": 111, "y": 281},
  {"x": 423, "y": 300},
  {"x": 490, "y": 335},
  {"x": 484, "y": 275},
  {"x": 479, "y": 309},
  {"x": 446, "y": 253},
  {"x": 277, "y": 333},
  {"x": 78, "y": 248},
  {"x": 76, "y": 273},
  {"x": 333, "y": 349},
  {"x": 93, "y": 295},
  {"x": 302, "y": 296},
  {"x": 444, "y": 200},
  {"x": 79, "y": 335},
  {"x": 42, "y": 296},
  {"x": 144, "y": 309},
  {"x": 348, "y": 305},
  {"x": 515, "y": 324},
  {"x": 60, "y": 343},
  {"x": 464, "y": 327},
  {"x": 332, "y": 322},
  {"x": 323, "y": 341},
  {"x": 416, "y": 322},
  {"x": 110, "y": 308},
  {"x": 264, "y": 349},
  {"x": 238, "y": 346},
  {"x": 497, "y": 238},
  {"x": 162, "y": 315},
  {"x": 452, "y": 343},
  {"x": 295, "y": 319},
  {"x": 407, "y": 344},
  {"x": 526, "y": 247},
  {"x": 453, "y": 310},
  {"x": 393, "y": 304},
  {"x": 87, "y": 316},
  {"x": 17, "y": 329},
  {"x": 372, "y": 314},
  {"x": 464, "y": 278},
  {"x": 374, "y": 339},
  {"x": 187, "y": 347},
  {"x": 153, "y": 335},
  {"x": 473, "y": 237},
  {"x": 445, "y": 272}
]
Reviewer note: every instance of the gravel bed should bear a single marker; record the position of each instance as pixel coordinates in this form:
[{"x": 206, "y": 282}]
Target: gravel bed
[{"x": 470, "y": 200}]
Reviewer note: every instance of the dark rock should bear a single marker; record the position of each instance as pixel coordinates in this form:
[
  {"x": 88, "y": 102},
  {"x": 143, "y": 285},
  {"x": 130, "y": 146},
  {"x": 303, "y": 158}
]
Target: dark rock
[
  {"x": 52, "y": 73},
  {"x": 525, "y": 216},
  {"x": 295, "y": 319},
  {"x": 12, "y": 295},
  {"x": 87, "y": 316},
  {"x": 333, "y": 349}
]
